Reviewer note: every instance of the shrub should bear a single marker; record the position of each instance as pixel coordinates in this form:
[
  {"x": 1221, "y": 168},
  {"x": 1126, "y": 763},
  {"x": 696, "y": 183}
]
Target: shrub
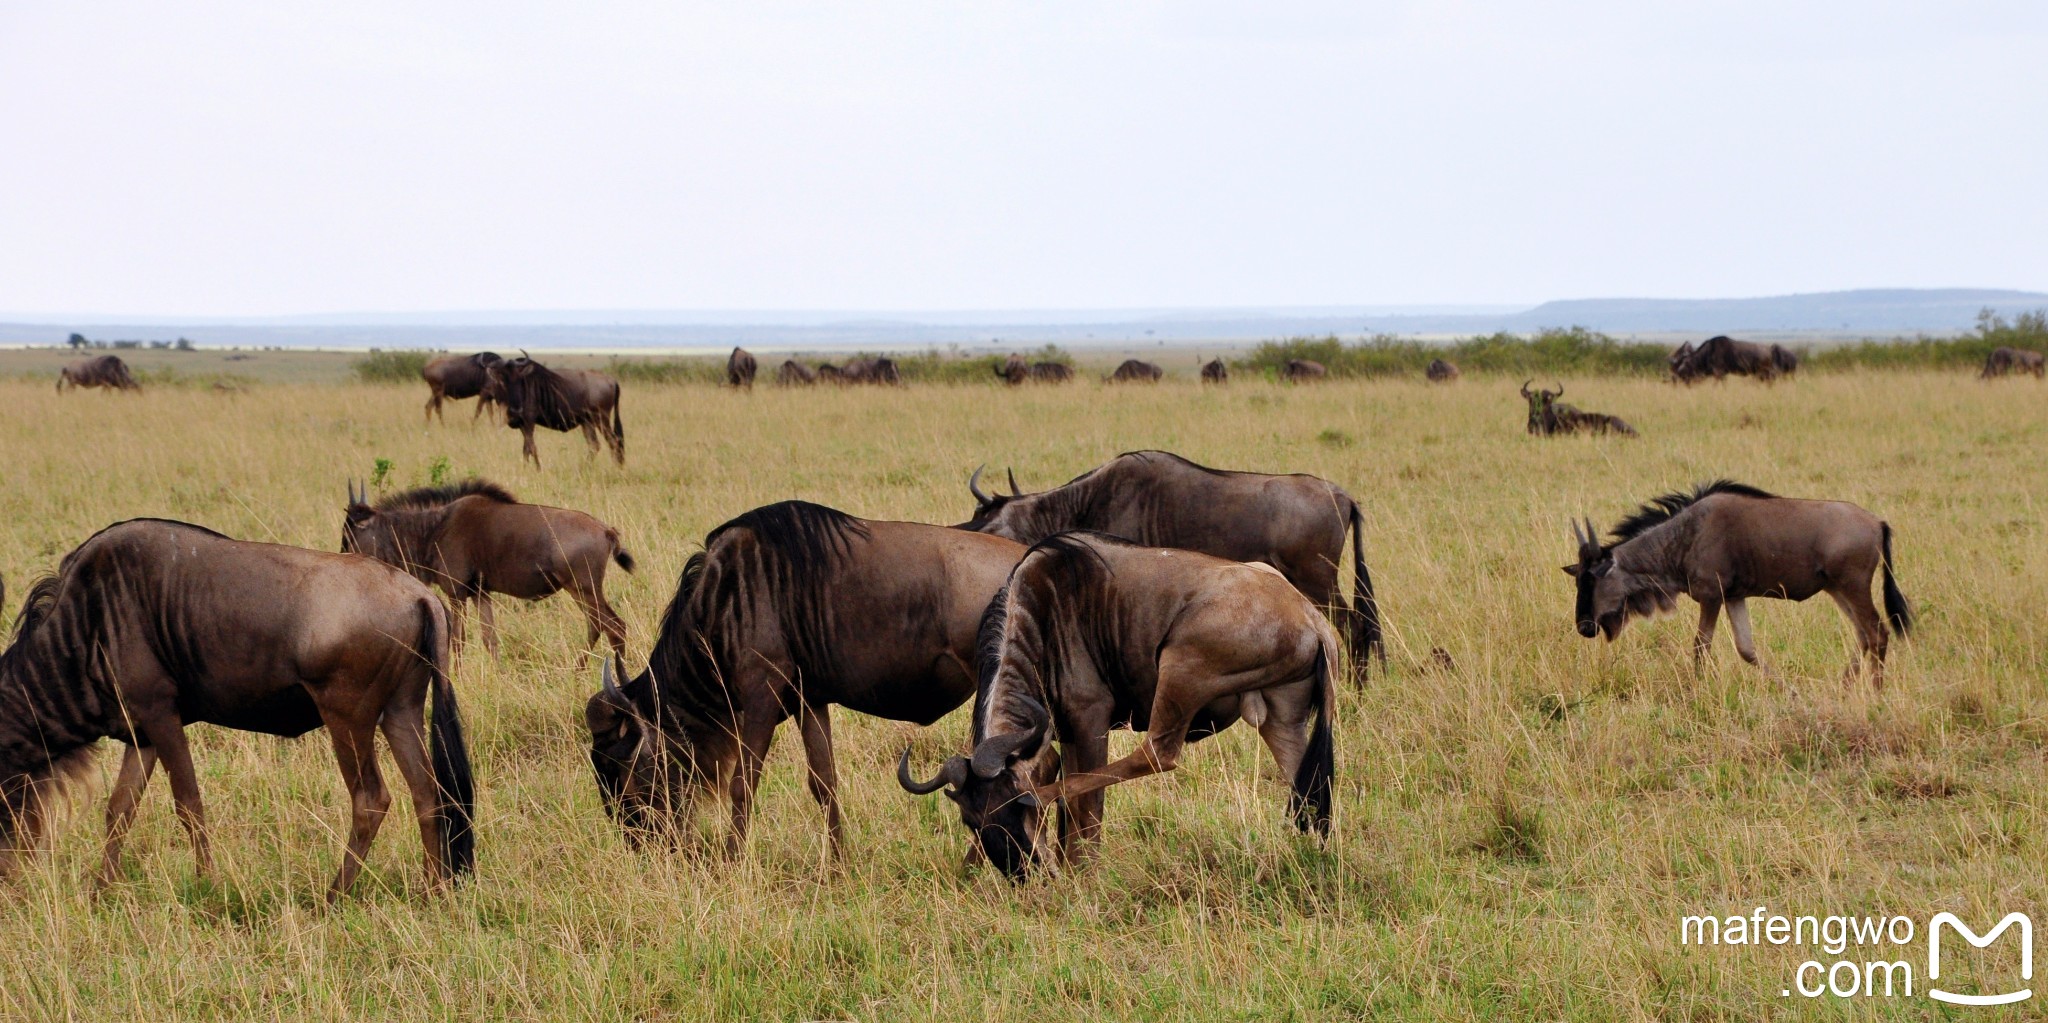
[
  {"x": 382, "y": 367},
  {"x": 1575, "y": 350}
]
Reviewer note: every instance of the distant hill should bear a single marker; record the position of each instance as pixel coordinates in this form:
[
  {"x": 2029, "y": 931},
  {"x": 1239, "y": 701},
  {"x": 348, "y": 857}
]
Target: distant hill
[{"x": 1874, "y": 310}]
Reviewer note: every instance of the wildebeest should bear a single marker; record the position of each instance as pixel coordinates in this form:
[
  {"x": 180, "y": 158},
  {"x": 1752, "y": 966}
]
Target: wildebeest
[
  {"x": 1441, "y": 371},
  {"x": 1785, "y": 360},
  {"x": 457, "y": 377},
  {"x": 877, "y": 370},
  {"x": 152, "y": 625},
  {"x": 2006, "y": 360},
  {"x": 1722, "y": 356},
  {"x": 1093, "y": 633},
  {"x": 1725, "y": 543},
  {"x": 830, "y": 374},
  {"x": 789, "y": 609},
  {"x": 473, "y": 539},
  {"x": 1679, "y": 364},
  {"x": 1549, "y": 416},
  {"x": 1301, "y": 371},
  {"x": 1215, "y": 372},
  {"x": 98, "y": 371},
  {"x": 1295, "y": 523},
  {"x": 794, "y": 374},
  {"x": 1135, "y": 371},
  {"x": 1015, "y": 370},
  {"x": 535, "y": 395},
  {"x": 739, "y": 369}
]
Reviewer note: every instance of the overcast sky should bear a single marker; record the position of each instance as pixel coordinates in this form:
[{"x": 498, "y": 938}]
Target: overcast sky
[{"x": 264, "y": 158}]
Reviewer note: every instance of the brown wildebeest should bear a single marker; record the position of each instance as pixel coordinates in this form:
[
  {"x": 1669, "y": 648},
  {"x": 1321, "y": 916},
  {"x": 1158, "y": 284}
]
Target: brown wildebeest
[
  {"x": 879, "y": 370},
  {"x": 1016, "y": 371},
  {"x": 473, "y": 539},
  {"x": 535, "y": 395},
  {"x": 1680, "y": 364},
  {"x": 1092, "y": 633},
  {"x": 457, "y": 377},
  {"x": 2004, "y": 361},
  {"x": 1725, "y": 543},
  {"x": 151, "y": 625},
  {"x": 788, "y": 610},
  {"x": 1549, "y": 416},
  {"x": 1722, "y": 356},
  {"x": 1135, "y": 371},
  {"x": 1441, "y": 371},
  {"x": 795, "y": 374},
  {"x": 1215, "y": 372},
  {"x": 828, "y": 373},
  {"x": 99, "y": 371},
  {"x": 1301, "y": 371},
  {"x": 739, "y": 369},
  {"x": 1294, "y": 523},
  {"x": 1784, "y": 360}
]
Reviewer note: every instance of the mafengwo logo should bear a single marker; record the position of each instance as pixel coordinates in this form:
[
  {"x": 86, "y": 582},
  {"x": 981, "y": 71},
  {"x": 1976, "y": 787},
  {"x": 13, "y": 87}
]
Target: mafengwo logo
[
  {"x": 1877, "y": 968},
  {"x": 1962, "y": 930}
]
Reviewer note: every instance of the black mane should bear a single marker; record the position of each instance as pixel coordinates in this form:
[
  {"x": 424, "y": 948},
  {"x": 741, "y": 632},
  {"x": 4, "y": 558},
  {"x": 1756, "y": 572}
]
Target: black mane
[
  {"x": 434, "y": 497},
  {"x": 1659, "y": 510},
  {"x": 1178, "y": 458},
  {"x": 809, "y": 536}
]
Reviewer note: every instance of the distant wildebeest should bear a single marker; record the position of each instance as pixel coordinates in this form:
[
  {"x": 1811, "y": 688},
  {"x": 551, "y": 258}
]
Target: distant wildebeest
[
  {"x": 1440, "y": 371},
  {"x": 1092, "y": 633},
  {"x": 789, "y": 609},
  {"x": 535, "y": 395},
  {"x": 151, "y": 625},
  {"x": 1549, "y": 416},
  {"x": 1295, "y": 523},
  {"x": 1301, "y": 371},
  {"x": 1722, "y": 356},
  {"x": 795, "y": 374},
  {"x": 1680, "y": 364},
  {"x": 457, "y": 377},
  {"x": 830, "y": 374},
  {"x": 1135, "y": 371},
  {"x": 99, "y": 371},
  {"x": 1725, "y": 543},
  {"x": 739, "y": 369},
  {"x": 1785, "y": 360},
  {"x": 473, "y": 539},
  {"x": 2004, "y": 361},
  {"x": 879, "y": 370},
  {"x": 1015, "y": 370},
  {"x": 1215, "y": 372}
]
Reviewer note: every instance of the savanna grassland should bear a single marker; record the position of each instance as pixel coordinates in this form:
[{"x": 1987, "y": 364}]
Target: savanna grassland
[{"x": 1518, "y": 834}]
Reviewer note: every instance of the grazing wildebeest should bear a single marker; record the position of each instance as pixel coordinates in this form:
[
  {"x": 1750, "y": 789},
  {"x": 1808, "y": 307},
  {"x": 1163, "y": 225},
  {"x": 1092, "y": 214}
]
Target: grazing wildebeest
[
  {"x": 1135, "y": 371},
  {"x": 830, "y": 374},
  {"x": 1017, "y": 371},
  {"x": 1215, "y": 372},
  {"x": 1301, "y": 371},
  {"x": 1784, "y": 360},
  {"x": 1721, "y": 356},
  {"x": 2004, "y": 361},
  {"x": 151, "y": 625},
  {"x": 457, "y": 377},
  {"x": 880, "y": 370},
  {"x": 1725, "y": 543},
  {"x": 98, "y": 371},
  {"x": 789, "y": 609},
  {"x": 535, "y": 395},
  {"x": 473, "y": 539},
  {"x": 1093, "y": 633},
  {"x": 794, "y": 374},
  {"x": 1680, "y": 364},
  {"x": 739, "y": 369},
  {"x": 1441, "y": 371},
  {"x": 1549, "y": 416},
  {"x": 1294, "y": 523}
]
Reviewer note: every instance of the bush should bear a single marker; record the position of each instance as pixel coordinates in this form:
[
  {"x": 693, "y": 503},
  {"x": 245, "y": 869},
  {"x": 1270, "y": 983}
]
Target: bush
[
  {"x": 676, "y": 371},
  {"x": 382, "y": 367},
  {"x": 1575, "y": 351},
  {"x": 2026, "y": 330}
]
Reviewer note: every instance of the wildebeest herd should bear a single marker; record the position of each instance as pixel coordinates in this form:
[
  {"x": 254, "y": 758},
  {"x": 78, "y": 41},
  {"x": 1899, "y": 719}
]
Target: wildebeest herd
[{"x": 1150, "y": 593}]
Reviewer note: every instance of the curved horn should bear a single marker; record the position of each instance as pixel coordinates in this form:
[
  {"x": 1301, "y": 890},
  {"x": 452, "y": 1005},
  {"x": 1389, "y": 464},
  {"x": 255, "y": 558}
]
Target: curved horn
[
  {"x": 1560, "y": 394},
  {"x": 953, "y": 772},
  {"x": 995, "y": 752},
  {"x": 610, "y": 686},
  {"x": 1525, "y": 386},
  {"x": 1014, "y": 492},
  {"x": 1578, "y": 534},
  {"x": 974, "y": 486}
]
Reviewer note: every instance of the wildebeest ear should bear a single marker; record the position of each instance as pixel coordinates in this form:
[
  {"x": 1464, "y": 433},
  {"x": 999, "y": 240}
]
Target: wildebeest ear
[{"x": 1572, "y": 570}]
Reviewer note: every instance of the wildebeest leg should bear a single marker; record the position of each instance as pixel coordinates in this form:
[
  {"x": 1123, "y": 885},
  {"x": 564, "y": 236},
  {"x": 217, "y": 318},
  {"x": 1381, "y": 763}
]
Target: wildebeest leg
[
  {"x": 405, "y": 728},
  {"x": 487, "y": 619},
  {"x": 1081, "y": 816},
  {"x": 1745, "y": 643},
  {"x": 1158, "y": 754},
  {"x": 757, "y": 732},
  {"x": 1286, "y": 726},
  {"x": 529, "y": 450},
  {"x": 1872, "y": 639},
  {"x": 815, "y": 724},
  {"x": 167, "y": 734},
  {"x": 136, "y": 766},
  {"x": 434, "y": 406},
  {"x": 590, "y": 438},
  {"x": 600, "y": 618},
  {"x": 355, "y": 751},
  {"x": 1710, "y": 612}
]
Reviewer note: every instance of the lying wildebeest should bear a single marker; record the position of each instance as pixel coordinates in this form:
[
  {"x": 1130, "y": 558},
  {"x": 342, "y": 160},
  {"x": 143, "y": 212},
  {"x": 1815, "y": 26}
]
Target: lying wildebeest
[
  {"x": 1294, "y": 523},
  {"x": 1301, "y": 371},
  {"x": 1441, "y": 371},
  {"x": 1725, "y": 543},
  {"x": 739, "y": 369},
  {"x": 151, "y": 625},
  {"x": 1092, "y": 633},
  {"x": 794, "y": 374},
  {"x": 2005, "y": 360},
  {"x": 1016, "y": 371},
  {"x": 535, "y": 395},
  {"x": 1215, "y": 372},
  {"x": 1721, "y": 356},
  {"x": 1549, "y": 416},
  {"x": 878, "y": 370},
  {"x": 473, "y": 539},
  {"x": 98, "y": 371},
  {"x": 457, "y": 377},
  {"x": 788, "y": 610},
  {"x": 1135, "y": 371}
]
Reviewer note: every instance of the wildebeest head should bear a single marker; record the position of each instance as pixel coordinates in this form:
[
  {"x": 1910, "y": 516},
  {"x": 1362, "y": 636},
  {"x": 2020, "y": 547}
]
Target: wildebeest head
[
  {"x": 988, "y": 508},
  {"x": 996, "y": 790},
  {"x": 644, "y": 772},
  {"x": 1609, "y": 595},
  {"x": 1540, "y": 401},
  {"x": 363, "y": 530}
]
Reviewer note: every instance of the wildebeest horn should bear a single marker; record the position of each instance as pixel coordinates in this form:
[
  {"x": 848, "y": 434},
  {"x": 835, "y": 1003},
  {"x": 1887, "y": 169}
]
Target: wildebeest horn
[
  {"x": 1560, "y": 394},
  {"x": 610, "y": 685},
  {"x": 1014, "y": 492},
  {"x": 995, "y": 752},
  {"x": 974, "y": 485},
  {"x": 953, "y": 772},
  {"x": 1525, "y": 386}
]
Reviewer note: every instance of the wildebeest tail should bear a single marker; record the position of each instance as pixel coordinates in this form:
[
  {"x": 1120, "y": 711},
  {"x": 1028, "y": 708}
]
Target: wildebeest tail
[
  {"x": 1364, "y": 621},
  {"x": 620, "y": 555},
  {"x": 1310, "y": 801},
  {"x": 1895, "y": 606},
  {"x": 450, "y": 753},
  {"x": 618, "y": 424}
]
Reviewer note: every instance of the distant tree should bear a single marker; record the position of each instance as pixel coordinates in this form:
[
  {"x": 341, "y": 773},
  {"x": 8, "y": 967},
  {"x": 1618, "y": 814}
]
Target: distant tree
[
  {"x": 77, "y": 341},
  {"x": 184, "y": 344}
]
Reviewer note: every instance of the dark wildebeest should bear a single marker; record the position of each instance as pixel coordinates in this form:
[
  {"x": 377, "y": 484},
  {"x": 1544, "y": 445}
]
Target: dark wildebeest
[
  {"x": 1440, "y": 371},
  {"x": 1135, "y": 371},
  {"x": 98, "y": 371},
  {"x": 1301, "y": 371},
  {"x": 879, "y": 371},
  {"x": 473, "y": 539},
  {"x": 1784, "y": 360},
  {"x": 456, "y": 377},
  {"x": 830, "y": 374},
  {"x": 794, "y": 374},
  {"x": 1725, "y": 543},
  {"x": 1549, "y": 416},
  {"x": 150, "y": 626},
  {"x": 1215, "y": 372},
  {"x": 1092, "y": 633},
  {"x": 739, "y": 369},
  {"x": 2004, "y": 361},
  {"x": 1017, "y": 371},
  {"x": 535, "y": 395},
  {"x": 1294, "y": 523},
  {"x": 788, "y": 610},
  {"x": 1722, "y": 356},
  {"x": 1680, "y": 364}
]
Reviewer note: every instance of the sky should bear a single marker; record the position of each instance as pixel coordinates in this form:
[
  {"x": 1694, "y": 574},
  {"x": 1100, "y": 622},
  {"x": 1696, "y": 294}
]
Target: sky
[{"x": 250, "y": 159}]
